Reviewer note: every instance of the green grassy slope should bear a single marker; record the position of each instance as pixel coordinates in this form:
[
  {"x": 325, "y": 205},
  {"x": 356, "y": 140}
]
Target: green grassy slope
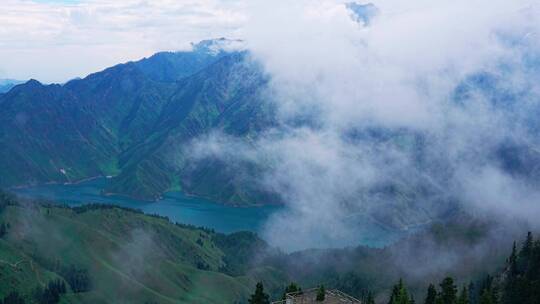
[{"x": 130, "y": 257}]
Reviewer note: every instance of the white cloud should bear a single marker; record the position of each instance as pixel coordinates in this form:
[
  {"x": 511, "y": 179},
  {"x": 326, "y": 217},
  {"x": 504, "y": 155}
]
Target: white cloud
[
  {"x": 398, "y": 73},
  {"x": 313, "y": 48},
  {"x": 59, "y": 41}
]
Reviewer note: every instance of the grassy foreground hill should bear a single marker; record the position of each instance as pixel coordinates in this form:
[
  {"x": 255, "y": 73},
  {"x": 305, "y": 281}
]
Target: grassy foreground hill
[{"x": 107, "y": 254}]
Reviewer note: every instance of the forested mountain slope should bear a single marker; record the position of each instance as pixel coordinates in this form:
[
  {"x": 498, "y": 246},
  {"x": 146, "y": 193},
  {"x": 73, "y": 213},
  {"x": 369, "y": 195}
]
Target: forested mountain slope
[{"x": 118, "y": 119}]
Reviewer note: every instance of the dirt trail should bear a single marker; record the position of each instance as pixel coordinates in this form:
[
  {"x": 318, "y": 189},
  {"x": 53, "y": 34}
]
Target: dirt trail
[{"x": 16, "y": 267}]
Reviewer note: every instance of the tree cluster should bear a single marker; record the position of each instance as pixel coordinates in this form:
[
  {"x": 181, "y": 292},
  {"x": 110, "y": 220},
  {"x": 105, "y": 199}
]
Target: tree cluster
[
  {"x": 51, "y": 294},
  {"x": 3, "y": 229},
  {"x": 522, "y": 283},
  {"x": 12, "y": 298},
  {"x": 447, "y": 293},
  {"x": 400, "y": 295},
  {"x": 77, "y": 278},
  {"x": 518, "y": 284},
  {"x": 259, "y": 297}
]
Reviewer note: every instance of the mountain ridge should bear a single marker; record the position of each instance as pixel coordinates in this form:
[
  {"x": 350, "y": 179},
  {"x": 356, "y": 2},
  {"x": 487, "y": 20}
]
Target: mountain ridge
[{"x": 106, "y": 100}]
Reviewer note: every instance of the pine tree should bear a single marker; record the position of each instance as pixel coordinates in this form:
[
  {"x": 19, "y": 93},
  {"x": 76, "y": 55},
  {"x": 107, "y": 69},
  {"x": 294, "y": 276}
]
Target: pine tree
[
  {"x": 399, "y": 294},
  {"x": 463, "y": 296},
  {"x": 448, "y": 291},
  {"x": 403, "y": 296},
  {"x": 394, "y": 295},
  {"x": 512, "y": 261},
  {"x": 486, "y": 297},
  {"x": 370, "y": 299},
  {"x": 321, "y": 294},
  {"x": 472, "y": 293},
  {"x": 527, "y": 246},
  {"x": 259, "y": 297},
  {"x": 512, "y": 295},
  {"x": 431, "y": 296},
  {"x": 3, "y": 230}
]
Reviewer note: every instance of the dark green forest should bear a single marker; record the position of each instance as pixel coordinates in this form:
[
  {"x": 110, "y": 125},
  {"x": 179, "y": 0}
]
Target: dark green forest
[{"x": 517, "y": 283}]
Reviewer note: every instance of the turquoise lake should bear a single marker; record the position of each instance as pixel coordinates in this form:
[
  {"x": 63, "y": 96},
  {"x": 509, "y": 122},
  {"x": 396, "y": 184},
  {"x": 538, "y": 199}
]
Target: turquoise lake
[
  {"x": 181, "y": 208},
  {"x": 175, "y": 205}
]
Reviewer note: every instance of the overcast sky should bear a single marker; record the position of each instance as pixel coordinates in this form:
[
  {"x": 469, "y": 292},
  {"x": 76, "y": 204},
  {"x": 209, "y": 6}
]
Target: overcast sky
[{"x": 56, "y": 40}]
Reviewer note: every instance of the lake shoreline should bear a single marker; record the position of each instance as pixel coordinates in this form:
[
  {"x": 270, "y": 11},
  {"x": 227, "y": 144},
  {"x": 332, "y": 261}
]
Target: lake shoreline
[
  {"x": 178, "y": 206},
  {"x": 187, "y": 209},
  {"x": 127, "y": 196}
]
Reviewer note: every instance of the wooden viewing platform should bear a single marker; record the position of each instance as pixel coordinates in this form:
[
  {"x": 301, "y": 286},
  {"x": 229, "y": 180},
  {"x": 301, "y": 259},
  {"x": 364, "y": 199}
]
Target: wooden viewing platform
[{"x": 309, "y": 296}]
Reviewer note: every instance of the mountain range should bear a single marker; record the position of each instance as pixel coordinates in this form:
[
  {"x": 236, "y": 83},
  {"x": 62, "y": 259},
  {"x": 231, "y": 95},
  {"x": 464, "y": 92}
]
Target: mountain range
[
  {"x": 123, "y": 121},
  {"x": 134, "y": 122}
]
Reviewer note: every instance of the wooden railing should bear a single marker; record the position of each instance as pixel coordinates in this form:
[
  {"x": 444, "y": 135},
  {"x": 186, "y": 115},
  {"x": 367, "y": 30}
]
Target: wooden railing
[
  {"x": 302, "y": 297},
  {"x": 343, "y": 295}
]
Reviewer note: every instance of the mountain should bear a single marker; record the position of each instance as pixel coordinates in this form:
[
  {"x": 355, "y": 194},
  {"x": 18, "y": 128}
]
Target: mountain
[
  {"x": 90, "y": 126},
  {"x": 132, "y": 121},
  {"x": 225, "y": 96},
  {"x": 7, "y": 84}
]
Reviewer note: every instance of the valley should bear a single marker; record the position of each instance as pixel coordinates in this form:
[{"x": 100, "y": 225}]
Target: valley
[
  {"x": 198, "y": 122},
  {"x": 325, "y": 151}
]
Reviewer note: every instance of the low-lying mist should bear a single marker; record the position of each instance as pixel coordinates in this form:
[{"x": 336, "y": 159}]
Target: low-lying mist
[{"x": 391, "y": 115}]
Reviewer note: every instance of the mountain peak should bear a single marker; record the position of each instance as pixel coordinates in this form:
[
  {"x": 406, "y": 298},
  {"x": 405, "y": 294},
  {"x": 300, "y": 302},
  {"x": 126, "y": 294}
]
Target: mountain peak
[
  {"x": 216, "y": 46},
  {"x": 30, "y": 84},
  {"x": 33, "y": 82}
]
